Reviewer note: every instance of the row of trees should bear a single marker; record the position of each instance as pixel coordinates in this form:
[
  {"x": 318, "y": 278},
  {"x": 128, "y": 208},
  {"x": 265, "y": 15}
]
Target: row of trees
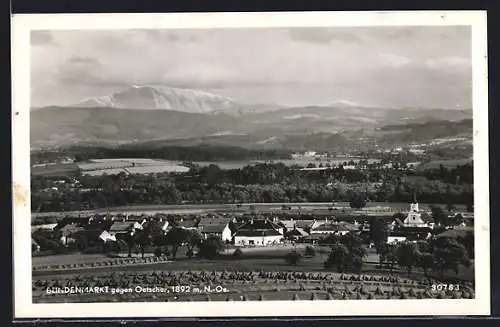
[
  {"x": 150, "y": 190},
  {"x": 347, "y": 254}
]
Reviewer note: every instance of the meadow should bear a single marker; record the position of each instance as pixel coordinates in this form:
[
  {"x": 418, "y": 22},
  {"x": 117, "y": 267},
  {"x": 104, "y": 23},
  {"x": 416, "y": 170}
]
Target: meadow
[{"x": 435, "y": 164}]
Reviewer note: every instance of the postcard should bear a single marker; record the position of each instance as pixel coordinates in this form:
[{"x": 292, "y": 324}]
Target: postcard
[{"x": 266, "y": 164}]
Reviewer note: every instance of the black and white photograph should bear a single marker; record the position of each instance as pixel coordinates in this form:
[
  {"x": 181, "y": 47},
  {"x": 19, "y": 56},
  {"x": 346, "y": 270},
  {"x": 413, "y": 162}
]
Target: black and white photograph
[{"x": 267, "y": 161}]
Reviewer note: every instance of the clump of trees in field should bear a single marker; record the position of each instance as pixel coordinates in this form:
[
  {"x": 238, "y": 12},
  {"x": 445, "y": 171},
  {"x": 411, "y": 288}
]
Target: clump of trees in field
[{"x": 347, "y": 253}]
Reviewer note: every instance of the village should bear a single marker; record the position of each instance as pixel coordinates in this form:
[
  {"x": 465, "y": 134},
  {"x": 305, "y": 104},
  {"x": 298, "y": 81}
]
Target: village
[{"x": 244, "y": 229}]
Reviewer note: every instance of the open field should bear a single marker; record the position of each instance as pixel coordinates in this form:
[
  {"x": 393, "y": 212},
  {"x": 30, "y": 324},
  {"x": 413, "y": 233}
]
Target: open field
[
  {"x": 57, "y": 169},
  {"x": 98, "y": 167},
  {"x": 130, "y": 166},
  {"x": 446, "y": 163}
]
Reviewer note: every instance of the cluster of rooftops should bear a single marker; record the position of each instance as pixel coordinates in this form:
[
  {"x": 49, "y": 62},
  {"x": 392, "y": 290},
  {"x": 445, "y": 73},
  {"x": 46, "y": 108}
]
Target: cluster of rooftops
[{"x": 241, "y": 230}]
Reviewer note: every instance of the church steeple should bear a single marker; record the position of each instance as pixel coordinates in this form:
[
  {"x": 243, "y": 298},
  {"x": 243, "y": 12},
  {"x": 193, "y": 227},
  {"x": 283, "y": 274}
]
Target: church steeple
[{"x": 414, "y": 204}]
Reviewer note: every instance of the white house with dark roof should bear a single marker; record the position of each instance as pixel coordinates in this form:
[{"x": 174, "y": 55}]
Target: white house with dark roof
[
  {"x": 216, "y": 225},
  {"x": 221, "y": 230},
  {"x": 259, "y": 232}
]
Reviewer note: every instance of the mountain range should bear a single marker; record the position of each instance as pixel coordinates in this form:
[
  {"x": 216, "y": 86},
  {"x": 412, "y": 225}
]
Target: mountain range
[{"x": 191, "y": 117}]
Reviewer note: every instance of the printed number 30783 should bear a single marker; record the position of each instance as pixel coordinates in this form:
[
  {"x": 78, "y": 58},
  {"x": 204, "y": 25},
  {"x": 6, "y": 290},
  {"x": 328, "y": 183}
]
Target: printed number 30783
[{"x": 445, "y": 287}]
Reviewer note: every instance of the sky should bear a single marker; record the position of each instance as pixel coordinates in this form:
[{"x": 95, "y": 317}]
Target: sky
[{"x": 373, "y": 66}]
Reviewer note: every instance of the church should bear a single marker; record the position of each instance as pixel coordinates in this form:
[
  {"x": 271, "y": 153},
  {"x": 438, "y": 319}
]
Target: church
[
  {"x": 414, "y": 217},
  {"x": 413, "y": 228}
]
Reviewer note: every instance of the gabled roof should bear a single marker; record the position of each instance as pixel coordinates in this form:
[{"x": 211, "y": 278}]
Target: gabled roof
[
  {"x": 298, "y": 231},
  {"x": 206, "y": 221},
  {"x": 213, "y": 228},
  {"x": 260, "y": 224},
  {"x": 186, "y": 223},
  {"x": 122, "y": 226},
  {"x": 335, "y": 227},
  {"x": 254, "y": 233},
  {"x": 163, "y": 225},
  {"x": 44, "y": 227},
  {"x": 288, "y": 224},
  {"x": 71, "y": 229}
]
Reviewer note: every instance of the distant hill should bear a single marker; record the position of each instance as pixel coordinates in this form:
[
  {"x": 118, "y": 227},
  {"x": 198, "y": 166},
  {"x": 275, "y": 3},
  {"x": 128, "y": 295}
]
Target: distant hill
[{"x": 258, "y": 126}]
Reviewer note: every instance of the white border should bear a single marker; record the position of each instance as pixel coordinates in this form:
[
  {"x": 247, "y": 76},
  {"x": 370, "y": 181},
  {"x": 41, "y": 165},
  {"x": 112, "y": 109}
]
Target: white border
[{"x": 23, "y": 24}]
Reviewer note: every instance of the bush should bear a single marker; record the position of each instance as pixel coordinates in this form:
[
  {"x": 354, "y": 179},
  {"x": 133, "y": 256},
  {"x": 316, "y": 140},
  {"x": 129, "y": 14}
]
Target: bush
[
  {"x": 238, "y": 253},
  {"x": 293, "y": 257},
  {"x": 310, "y": 251},
  {"x": 158, "y": 252}
]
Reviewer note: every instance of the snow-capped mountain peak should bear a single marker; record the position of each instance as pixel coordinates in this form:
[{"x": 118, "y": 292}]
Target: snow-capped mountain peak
[{"x": 160, "y": 97}]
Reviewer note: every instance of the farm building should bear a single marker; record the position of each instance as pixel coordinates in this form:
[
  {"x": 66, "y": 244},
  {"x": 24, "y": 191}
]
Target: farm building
[
  {"x": 258, "y": 232},
  {"x": 293, "y": 223},
  {"x": 218, "y": 225},
  {"x": 122, "y": 228},
  {"x": 157, "y": 225},
  {"x": 187, "y": 224},
  {"x": 105, "y": 236},
  {"x": 34, "y": 246},
  {"x": 67, "y": 231},
  {"x": 221, "y": 230},
  {"x": 333, "y": 227},
  {"x": 296, "y": 233},
  {"x": 313, "y": 238},
  {"x": 48, "y": 227}
]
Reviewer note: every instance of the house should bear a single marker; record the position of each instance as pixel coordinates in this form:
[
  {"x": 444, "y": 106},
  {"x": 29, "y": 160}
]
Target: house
[
  {"x": 122, "y": 228},
  {"x": 105, "y": 236},
  {"x": 187, "y": 224},
  {"x": 312, "y": 238},
  {"x": 217, "y": 225},
  {"x": 258, "y": 232},
  {"x": 221, "y": 230},
  {"x": 296, "y": 233},
  {"x": 34, "y": 246},
  {"x": 47, "y": 227},
  {"x": 66, "y": 232},
  {"x": 408, "y": 234},
  {"x": 333, "y": 227}
]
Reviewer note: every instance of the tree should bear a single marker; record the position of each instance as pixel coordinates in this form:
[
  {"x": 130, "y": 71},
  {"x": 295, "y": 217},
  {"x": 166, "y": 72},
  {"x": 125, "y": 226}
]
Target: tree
[
  {"x": 450, "y": 206},
  {"x": 310, "y": 251},
  {"x": 237, "y": 254},
  {"x": 293, "y": 258},
  {"x": 211, "y": 247},
  {"x": 439, "y": 216},
  {"x": 457, "y": 219},
  {"x": 407, "y": 255},
  {"x": 449, "y": 254},
  {"x": 158, "y": 252},
  {"x": 378, "y": 233},
  {"x": 143, "y": 239},
  {"x": 426, "y": 262},
  {"x": 131, "y": 241},
  {"x": 175, "y": 238},
  {"x": 469, "y": 205},
  {"x": 339, "y": 257},
  {"x": 358, "y": 202}
]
